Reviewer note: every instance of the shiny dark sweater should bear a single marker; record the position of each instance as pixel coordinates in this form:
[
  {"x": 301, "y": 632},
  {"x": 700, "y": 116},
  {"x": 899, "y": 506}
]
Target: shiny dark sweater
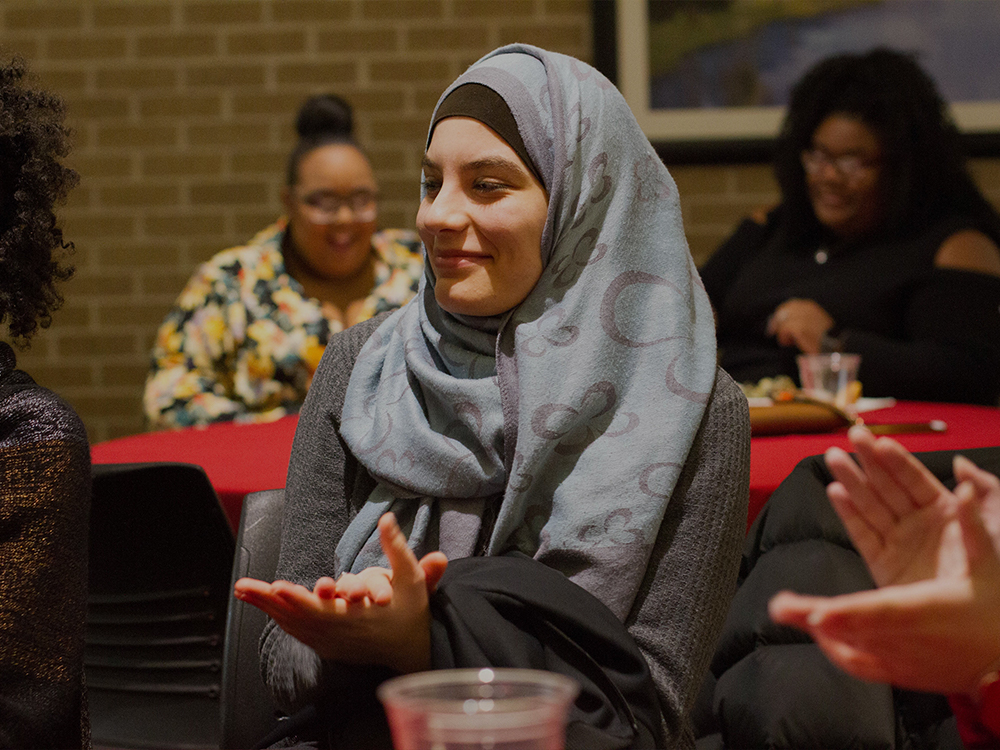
[{"x": 44, "y": 512}]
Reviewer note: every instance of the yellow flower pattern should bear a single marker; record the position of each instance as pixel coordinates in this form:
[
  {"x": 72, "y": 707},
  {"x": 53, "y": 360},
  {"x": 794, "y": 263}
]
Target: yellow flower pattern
[{"x": 243, "y": 340}]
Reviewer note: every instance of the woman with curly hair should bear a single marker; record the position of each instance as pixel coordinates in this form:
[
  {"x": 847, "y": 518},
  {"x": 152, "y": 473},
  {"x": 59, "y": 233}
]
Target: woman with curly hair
[
  {"x": 882, "y": 244},
  {"x": 44, "y": 456}
]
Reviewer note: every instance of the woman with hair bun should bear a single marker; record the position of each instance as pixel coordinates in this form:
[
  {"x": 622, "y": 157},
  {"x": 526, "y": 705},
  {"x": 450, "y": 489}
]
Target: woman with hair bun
[{"x": 246, "y": 334}]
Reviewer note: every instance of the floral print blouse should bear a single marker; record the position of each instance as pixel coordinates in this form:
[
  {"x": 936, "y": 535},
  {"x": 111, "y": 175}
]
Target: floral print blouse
[{"x": 243, "y": 340}]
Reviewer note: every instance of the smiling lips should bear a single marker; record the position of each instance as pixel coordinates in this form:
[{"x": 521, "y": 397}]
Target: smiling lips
[{"x": 456, "y": 259}]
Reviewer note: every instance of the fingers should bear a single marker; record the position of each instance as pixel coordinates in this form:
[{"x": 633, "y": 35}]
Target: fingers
[
  {"x": 983, "y": 482},
  {"x": 788, "y": 608},
  {"x": 894, "y": 474},
  {"x": 403, "y": 562},
  {"x": 433, "y": 565},
  {"x": 980, "y": 551}
]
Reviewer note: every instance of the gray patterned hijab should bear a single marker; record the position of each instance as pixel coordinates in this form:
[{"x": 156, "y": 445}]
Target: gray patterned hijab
[{"x": 559, "y": 428}]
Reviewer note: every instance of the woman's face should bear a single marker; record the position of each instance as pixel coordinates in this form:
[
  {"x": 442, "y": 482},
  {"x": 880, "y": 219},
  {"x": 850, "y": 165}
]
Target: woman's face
[
  {"x": 481, "y": 219},
  {"x": 843, "y": 176},
  {"x": 331, "y": 211}
]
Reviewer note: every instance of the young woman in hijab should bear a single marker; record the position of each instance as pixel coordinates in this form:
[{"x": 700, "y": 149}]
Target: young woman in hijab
[
  {"x": 529, "y": 416},
  {"x": 246, "y": 334},
  {"x": 44, "y": 456}
]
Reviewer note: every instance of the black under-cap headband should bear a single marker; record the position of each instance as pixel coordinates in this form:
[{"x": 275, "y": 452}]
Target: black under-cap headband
[{"x": 487, "y": 106}]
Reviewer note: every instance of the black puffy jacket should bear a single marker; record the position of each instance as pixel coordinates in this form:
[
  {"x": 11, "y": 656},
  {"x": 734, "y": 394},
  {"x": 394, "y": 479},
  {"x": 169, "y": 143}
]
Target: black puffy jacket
[{"x": 770, "y": 686}]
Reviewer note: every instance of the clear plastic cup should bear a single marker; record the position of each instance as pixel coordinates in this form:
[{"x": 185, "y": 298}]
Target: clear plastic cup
[
  {"x": 478, "y": 709},
  {"x": 830, "y": 377}
]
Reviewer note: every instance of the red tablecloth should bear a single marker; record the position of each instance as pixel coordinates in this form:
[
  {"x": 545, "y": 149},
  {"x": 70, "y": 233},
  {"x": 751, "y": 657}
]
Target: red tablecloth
[
  {"x": 238, "y": 458},
  {"x": 772, "y": 458}
]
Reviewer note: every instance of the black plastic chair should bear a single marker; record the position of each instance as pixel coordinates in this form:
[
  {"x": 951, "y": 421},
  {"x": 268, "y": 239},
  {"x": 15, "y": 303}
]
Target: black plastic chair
[
  {"x": 248, "y": 711},
  {"x": 161, "y": 551}
]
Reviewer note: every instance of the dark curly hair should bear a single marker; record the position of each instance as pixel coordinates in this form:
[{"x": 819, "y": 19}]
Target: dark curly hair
[
  {"x": 923, "y": 156},
  {"x": 322, "y": 120},
  {"x": 32, "y": 182}
]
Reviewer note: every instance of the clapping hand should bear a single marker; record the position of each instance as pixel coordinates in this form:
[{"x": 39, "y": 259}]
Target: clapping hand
[{"x": 935, "y": 623}]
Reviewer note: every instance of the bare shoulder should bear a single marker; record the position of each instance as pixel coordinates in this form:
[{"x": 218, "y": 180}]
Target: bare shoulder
[{"x": 969, "y": 250}]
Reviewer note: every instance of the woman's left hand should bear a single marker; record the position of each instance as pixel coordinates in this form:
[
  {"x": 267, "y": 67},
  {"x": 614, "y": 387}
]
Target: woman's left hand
[
  {"x": 801, "y": 323},
  {"x": 378, "y": 616}
]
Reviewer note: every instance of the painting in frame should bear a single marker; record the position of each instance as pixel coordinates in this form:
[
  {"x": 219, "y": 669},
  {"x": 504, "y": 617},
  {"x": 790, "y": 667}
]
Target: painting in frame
[{"x": 708, "y": 79}]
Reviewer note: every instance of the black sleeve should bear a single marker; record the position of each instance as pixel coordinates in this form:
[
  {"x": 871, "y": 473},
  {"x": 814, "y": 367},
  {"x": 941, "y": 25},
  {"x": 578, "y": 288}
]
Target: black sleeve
[
  {"x": 44, "y": 510},
  {"x": 722, "y": 269},
  {"x": 952, "y": 349}
]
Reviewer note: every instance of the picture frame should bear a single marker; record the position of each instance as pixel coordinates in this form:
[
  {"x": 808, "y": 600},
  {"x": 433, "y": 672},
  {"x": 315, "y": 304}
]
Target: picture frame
[{"x": 705, "y": 134}]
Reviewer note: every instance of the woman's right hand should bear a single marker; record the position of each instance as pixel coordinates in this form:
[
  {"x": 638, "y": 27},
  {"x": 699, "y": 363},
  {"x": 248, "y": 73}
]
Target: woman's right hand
[
  {"x": 378, "y": 616},
  {"x": 801, "y": 323}
]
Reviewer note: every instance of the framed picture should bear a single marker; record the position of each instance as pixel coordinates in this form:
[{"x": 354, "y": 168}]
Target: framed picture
[{"x": 708, "y": 79}]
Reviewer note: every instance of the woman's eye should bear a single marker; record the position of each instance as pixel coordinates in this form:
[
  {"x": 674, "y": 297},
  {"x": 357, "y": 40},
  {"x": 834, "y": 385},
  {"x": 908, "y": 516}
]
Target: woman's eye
[
  {"x": 488, "y": 187},
  {"x": 431, "y": 185}
]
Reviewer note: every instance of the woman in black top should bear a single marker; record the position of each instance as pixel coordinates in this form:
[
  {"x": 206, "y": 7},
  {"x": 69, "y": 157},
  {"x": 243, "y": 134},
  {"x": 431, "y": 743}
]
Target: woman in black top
[{"x": 882, "y": 244}]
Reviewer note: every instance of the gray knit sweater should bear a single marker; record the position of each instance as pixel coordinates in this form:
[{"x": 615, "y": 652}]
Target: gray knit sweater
[{"x": 688, "y": 583}]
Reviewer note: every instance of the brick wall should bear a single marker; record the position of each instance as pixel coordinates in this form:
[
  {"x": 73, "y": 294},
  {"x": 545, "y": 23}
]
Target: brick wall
[{"x": 183, "y": 115}]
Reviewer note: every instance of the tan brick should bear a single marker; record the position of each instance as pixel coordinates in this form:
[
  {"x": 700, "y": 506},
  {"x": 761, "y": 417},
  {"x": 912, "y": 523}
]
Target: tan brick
[
  {"x": 73, "y": 315},
  {"x": 413, "y": 129},
  {"x": 109, "y": 429},
  {"x": 129, "y": 315},
  {"x": 271, "y": 42},
  {"x": 184, "y": 225},
  {"x": 554, "y": 35},
  {"x": 180, "y": 165},
  {"x": 341, "y": 40},
  {"x": 215, "y": 74},
  {"x": 448, "y": 36},
  {"x": 697, "y": 180},
  {"x": 88, "y": 47},
  {"x": 397, "y": 10},
  {"x": 137, "y": 255},
  {"x": 311, "y": 11},
  {"x": 386, "y": 158},
  {"x": 96, "y": 107},
  {"x": 132, "y": 14},
  {"x": 328, "y": 74},
  {"x": 28, "y": 46},
  {"x": 124, "y": 374},
  {"x": 181, "y": 106},
  {"x": 99, "y": 224},
  {"x": 159, "y": 283},
  {"x": 227, "y": 135},
  {"x": 63, "y": 81},
  {"x": 104, "y": 405},
  {"x": 177, "y": 45},
  {"x": 408, "y": 71},
  {"x": 284, "y": 104},
  {"x": 751, "y": 178},
  {"x": 580, "y": 8},
  {"x": 136, "y": 136},
  {"x": 480, "y": 9},
  {"x": 61, "y": 16},
  {"x": 228, "y": 193},
  {"x": 134, "y": 77},
  {"x": 260, "y": 162},
  {"x": 134, "y": 195},
  {"x": 95, "y": 344},
  {"x": 52, "y": 376},
  {"x": 226, "y": 12},
  {"x": 111, "y": 283},
  {"x": 247, "y": 224},
  {"x": 727, "y": 214}
]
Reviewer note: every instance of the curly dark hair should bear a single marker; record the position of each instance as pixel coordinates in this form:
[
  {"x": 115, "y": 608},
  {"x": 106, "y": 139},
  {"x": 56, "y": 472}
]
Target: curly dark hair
[
  {"x": 923, "y": 156},
  {"x": 32, "y": 181}
]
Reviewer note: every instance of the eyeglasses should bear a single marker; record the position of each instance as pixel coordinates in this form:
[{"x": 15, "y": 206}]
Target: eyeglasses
[
  {"x": 322, "y": 207},
  {"x": 847, "y": 166}
]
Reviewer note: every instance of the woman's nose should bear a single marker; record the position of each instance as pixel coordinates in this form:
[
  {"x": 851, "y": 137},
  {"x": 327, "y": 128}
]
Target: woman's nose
[{"x": 444, "y": 210}]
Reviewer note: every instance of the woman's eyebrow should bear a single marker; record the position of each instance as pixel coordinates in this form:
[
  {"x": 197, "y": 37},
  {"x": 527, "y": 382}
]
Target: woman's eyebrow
[{"x": 486, "y": 162}]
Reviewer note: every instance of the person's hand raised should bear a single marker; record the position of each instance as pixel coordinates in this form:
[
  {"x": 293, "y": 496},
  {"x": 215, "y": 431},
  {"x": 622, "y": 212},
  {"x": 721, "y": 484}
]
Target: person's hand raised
[{"x": 379, "y": 616}]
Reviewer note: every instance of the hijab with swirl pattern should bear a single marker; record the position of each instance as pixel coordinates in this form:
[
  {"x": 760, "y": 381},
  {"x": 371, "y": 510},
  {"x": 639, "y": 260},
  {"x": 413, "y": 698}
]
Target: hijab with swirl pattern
[{"x": 565, "y": 421}]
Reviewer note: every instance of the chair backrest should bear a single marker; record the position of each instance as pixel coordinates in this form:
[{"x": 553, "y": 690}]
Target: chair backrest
[
  {"x": 160, "y": 555},
  {"x": 248, "y": 711}
]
